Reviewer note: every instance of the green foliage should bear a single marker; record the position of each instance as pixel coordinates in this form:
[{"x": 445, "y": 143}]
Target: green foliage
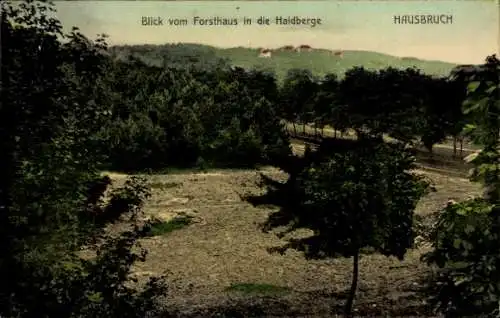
[
  {"x": 162, "y": 228},
  {"x": 71, "y": 107},
  {"x": 467, "y": 240},
  {"x": 354, "y": 198},
  {"x": 459, "y": 225},
  {"x": 127, "y": 199},
  {"x": 352, "y": 195},
  {"x": 162, "y": 117},
  {"x": 51, "y": 194},
  {"x": 297, "y": 96},
  {"x": 483, "y": 106},
  {"x": 441, "y": 115},
  {"x": 179, "y": 56},
  {"x": 382, "y": 101},
  {"x": 463, "y": 243},
  {"x": 406, "y": 105},
  {"x": 327, "y": 109}
]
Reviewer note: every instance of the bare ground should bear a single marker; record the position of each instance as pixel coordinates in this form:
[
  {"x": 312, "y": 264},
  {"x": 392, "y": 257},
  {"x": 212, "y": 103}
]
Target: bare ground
[{"x": 225, "y": 246}]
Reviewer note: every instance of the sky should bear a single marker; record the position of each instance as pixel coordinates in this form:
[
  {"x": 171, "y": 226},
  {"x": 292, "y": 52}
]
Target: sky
[{"x": 346, "y": 25}]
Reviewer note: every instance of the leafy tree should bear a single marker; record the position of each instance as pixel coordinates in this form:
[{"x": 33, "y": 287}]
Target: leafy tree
[
  {"x": 352, "y": 195},
  {"x": 50, "y": 187},
  {"x": 327, "y": 109},
  {"x": 181, "y": 116},
  {"x": 297, "y": 96},
  {"x": 442, "y": 114},
  {"x": 466, "y": 240},
  {"x": 386, "y": 101},
  {"x": 456, "y": 119}
]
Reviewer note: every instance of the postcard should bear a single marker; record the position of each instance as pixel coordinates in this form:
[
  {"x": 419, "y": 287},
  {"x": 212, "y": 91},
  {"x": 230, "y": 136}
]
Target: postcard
[{"x": 275, "y": 158}]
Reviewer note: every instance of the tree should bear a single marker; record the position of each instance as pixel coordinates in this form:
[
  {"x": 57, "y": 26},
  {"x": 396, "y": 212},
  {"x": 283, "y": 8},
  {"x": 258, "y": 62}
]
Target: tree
[
  {"x": 387, "y": 101},
  {"x": 327, "y": 109},
  {"x": 483, "y": 105},
  {"x": 442, "y": 114},
  {"x": 178, "y": 117},
  {"x": 297, "y": 97},
  {"x": 50, "y": 187},
  {"x": 351, "y": 195},
  {"x": 467, "y": 238}
]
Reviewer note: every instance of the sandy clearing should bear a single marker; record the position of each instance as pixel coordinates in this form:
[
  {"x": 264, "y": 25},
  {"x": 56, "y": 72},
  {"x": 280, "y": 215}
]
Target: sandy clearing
[{"x": 228, "y": 247}]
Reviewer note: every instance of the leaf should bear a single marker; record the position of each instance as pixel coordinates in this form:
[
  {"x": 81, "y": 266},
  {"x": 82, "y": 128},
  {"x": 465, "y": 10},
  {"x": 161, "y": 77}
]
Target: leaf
[
  {"x": 460, "y": 281},
  {"x": 491, "y": 90},
  {"x": 468, "y": 246},
  {"x": 474, "y": 106},
  {"x": 469, "y": 228},
  {"x": 95, "y": 297},
  {"x": 468, "y": 128},
  {"x": 473, "y": 86}
]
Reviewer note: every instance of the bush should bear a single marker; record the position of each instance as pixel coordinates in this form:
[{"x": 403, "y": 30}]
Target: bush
[
  {"x": 463, "y": 241},
  {"x": 467, "y": 238},
  {"x": 51, "y": 194}
]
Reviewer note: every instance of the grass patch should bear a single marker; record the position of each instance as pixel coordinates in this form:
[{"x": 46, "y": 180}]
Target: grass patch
[
  {"x": 258, "y": 289},
  {"x": 162, "y": 228},
  {"x": 163, "y": 185}
]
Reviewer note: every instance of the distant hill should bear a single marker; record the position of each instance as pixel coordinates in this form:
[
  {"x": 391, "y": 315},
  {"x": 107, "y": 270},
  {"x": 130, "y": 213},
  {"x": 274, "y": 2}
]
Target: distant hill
[{"x": 319, "y": 61}]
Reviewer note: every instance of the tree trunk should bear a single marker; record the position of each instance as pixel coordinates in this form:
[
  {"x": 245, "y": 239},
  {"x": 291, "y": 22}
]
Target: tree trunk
[
  {"x": 454, "y": 146},
  {"x": 354, "y": 285},
  {"x": 294, "y": 129},
  {"x": 461, "y": 146},
  {"x": 359, "y": 134},
  {"x": 335, "y": 133},
  {"x": 304, "y": 129}
]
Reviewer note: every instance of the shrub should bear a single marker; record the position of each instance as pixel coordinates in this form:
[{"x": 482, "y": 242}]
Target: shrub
[{"x": 463, "y": 241}]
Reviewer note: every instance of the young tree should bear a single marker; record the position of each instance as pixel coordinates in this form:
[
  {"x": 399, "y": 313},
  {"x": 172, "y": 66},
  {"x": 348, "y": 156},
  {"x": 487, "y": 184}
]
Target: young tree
[{"x": 351, "y": 194}]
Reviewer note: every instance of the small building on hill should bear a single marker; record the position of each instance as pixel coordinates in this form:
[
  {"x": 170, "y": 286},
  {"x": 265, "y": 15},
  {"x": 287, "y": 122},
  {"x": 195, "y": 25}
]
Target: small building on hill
[
  {"x": 304, "y": 48},
  {"x": 266, "y": 53},
  {"x": 339, "y": 54}
]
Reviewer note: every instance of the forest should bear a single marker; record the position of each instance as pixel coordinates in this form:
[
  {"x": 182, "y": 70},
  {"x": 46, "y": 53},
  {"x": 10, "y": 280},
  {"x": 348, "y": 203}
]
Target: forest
[{"x": 76, "y": 113}]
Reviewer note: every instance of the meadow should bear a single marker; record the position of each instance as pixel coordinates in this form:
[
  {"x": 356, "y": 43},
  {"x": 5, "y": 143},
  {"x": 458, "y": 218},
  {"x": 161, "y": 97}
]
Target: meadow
[{"x": 319, "y": 61}]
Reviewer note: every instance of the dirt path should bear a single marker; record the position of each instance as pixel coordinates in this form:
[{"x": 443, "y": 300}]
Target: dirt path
[{"x": 330, "y": 132}]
